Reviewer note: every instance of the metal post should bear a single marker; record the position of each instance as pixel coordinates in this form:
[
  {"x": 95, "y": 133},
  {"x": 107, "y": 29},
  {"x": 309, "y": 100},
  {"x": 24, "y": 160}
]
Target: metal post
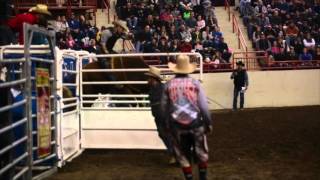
[{"x": 28, "y": 35}]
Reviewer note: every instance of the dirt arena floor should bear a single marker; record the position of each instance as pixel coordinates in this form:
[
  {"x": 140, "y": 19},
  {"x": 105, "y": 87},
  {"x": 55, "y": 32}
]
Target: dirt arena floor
[{"x": 260, "y": 144}]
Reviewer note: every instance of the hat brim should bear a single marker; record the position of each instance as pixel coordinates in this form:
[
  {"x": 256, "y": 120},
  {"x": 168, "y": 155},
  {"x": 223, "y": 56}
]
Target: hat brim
[
  {"x": 126, "y": 29},
  {"x": 153, "y": 76},
  {"x": 189, "y": 69},
  {"x": 40, "y": 11}
]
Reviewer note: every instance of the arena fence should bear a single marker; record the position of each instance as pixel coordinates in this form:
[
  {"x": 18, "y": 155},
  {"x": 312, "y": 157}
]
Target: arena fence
[
  {"x": 28, "y": 133},
  {"x": 121, "y": 120}
]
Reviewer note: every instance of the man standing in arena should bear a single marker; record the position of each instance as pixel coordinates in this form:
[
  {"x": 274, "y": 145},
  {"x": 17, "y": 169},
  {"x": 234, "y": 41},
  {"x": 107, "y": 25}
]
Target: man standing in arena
[
  {"x": 155, "y": 93},
  {"x": 185, "y": 106},
  {"x": 241, "y": 83}
]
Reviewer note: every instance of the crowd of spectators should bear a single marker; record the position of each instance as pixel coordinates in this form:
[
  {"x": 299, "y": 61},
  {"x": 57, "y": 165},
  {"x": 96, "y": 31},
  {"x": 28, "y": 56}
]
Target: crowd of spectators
[
  {"x": 77, "y": 32},
  {"x": 175, "y": 26},
  {"x": 285, "y": 29}
]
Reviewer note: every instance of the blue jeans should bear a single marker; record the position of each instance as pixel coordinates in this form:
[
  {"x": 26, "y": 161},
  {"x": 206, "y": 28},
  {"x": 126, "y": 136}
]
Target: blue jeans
[{"x": 236, "y": 93}]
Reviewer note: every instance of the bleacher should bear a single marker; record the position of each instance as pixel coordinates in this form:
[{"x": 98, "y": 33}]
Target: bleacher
[{"x": 288, "y": 32}]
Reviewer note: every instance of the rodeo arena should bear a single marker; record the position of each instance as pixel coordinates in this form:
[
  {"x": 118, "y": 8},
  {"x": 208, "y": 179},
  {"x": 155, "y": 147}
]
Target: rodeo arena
[{"x": 160, "y": 89}]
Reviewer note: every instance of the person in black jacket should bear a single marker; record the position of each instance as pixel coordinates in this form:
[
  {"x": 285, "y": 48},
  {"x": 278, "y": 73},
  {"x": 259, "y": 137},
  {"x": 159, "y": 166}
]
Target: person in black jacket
[
  {"x": 155, "y": 95},
  {"x": 241, "y": 82}
]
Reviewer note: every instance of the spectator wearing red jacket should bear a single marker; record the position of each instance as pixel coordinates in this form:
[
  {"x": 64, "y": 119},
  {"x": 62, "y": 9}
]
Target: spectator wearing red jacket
[{"x": 36, "y": 15}]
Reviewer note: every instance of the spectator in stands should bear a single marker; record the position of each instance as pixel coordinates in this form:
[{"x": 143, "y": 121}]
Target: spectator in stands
[
  {"x": 185, "y": 5},
  {"x": 292, "y": 32},
  {"x": 130, "y": 14},
  {"x": 209, "y": 14},
  {"x": 263, "y": 44},
  {"x": 291, "y": 55},
  {"x": 275, "y": 19},
  {"x": 244, "y": 7},
  {"x": 263, "y": 21},
  {"x": 173, "y": 34},
  {"x": 305, "y": 56},
  {"x": 298, "y": 45},
  {"x": 93, "y": 48},
  {"x": 276, "y": 51},
  {"x": 270, "y": 33},
  {"x": 70, "y": 42},
  {"x": 36, "y": 15},
  {"x": 196, "y": 35},
  {"x": 74, "y": 24},
  {"x": 241, "y": 83},
  {"x": 207, "y": 36},
  {"x": 58, "y": 25},
  {"x": 200, "y": 22},
  {"x": 174, "y": 46},
  {"x": 198, "y": 47},
  {"x": 64, "y": 24},
  {"x": 217, "y": 34},
  {"x": 120, "y": 6},
  {"x": 224, "y": 50},
  {"x": 256, "y": 36},
  {"x": 216, "y": 60},
  {"x": 185, "y": 45},
  {"x": 163, "y": 48},
  {"x": 260, "y": 8},
  {"x": 192, "y": 21},
  {"x": 309, "y": 43},
  {"x": 141, "y": 37},
  {"x": 185, "y": 33}
]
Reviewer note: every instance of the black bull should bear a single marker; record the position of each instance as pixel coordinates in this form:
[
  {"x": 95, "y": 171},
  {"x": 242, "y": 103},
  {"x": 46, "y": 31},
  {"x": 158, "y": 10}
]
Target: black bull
[{"x": 115, "y": 63}]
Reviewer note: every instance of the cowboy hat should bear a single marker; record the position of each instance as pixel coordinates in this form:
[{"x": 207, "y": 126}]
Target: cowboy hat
[
  {"x": 154, "y": 72},
  {"x": 240, "y": 63},
  {"x": 122, "y": 24},
  {"x": 183, "y": 65},
  {"x": 40, "y": 9}
]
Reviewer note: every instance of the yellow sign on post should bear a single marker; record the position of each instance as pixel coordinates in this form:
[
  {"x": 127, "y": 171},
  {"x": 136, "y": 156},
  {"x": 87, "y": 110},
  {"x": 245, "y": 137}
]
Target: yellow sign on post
[{"x": 43, "y": 112}]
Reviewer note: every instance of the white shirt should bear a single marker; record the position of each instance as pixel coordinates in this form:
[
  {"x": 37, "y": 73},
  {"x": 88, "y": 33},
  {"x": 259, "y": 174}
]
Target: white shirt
[{"x": 309, "y": 44}]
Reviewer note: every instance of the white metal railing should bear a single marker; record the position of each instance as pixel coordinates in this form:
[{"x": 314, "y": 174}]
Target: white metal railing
[{"x": 122, "y": 98}]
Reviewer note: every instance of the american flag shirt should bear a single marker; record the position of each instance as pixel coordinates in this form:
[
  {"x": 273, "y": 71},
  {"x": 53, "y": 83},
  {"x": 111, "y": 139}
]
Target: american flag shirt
[{"x": 184, "y": 101}]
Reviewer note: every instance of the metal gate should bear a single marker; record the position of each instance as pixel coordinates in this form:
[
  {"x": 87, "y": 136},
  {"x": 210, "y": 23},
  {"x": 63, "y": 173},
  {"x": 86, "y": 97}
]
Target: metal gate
[
  {"x": 130, "y": 126},
  {"x": 19, "y": 126},
  {"x": 68, "y": 119}
]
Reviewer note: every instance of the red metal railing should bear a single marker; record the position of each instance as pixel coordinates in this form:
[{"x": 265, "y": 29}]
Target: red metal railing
[
  {"x": 106, "y": 5},
  {"x": 259, "y": 60},
  {"x": 291, "y": 65},
  {"x": 242, "y": 44},
  {"x": 227, "y": 7},
  {"x": 251, "y": 59},
  {"x": 223, "y": 67},
  {"x": 53, "y": 4}
]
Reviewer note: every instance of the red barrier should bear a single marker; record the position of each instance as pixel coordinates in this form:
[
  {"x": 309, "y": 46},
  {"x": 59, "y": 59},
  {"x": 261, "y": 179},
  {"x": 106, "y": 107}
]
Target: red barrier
[
  {"x": 56, "y": 4},
  {"x": 242, "y": 44},
  {"x": 227, "y": 7}
]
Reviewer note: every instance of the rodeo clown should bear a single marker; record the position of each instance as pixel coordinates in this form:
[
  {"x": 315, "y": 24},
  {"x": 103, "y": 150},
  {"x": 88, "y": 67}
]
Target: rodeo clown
[
  {"x": 36, "y": 15},
  {"x": 185, "y": 106},
  {"x": 155, "y": 93}
]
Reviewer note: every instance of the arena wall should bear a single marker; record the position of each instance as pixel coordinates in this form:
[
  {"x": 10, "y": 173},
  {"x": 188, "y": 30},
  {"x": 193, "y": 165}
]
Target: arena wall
[{"x": 266, "y": 89}]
